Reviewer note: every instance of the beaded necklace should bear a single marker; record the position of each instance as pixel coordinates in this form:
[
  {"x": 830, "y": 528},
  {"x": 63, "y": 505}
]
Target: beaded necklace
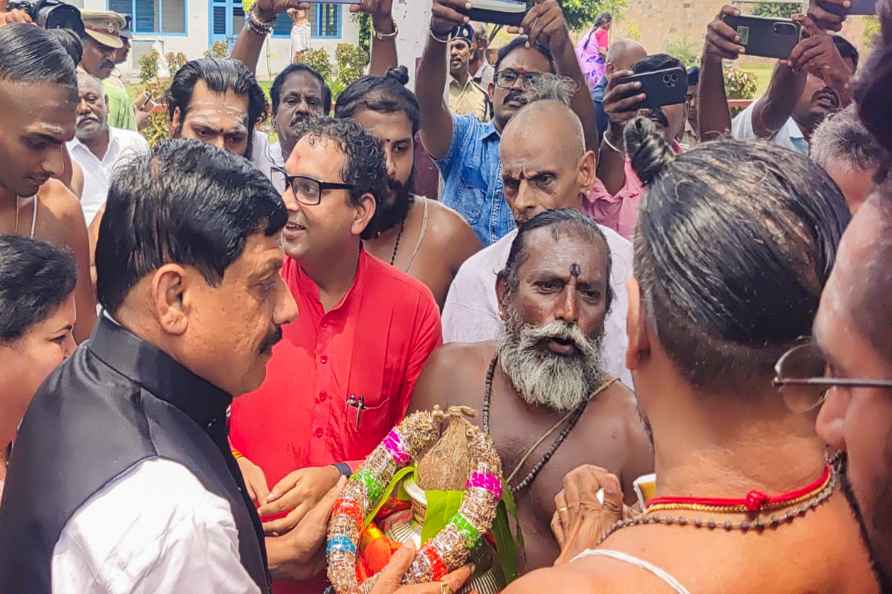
[
  {"x": 569, "y": 421},
  {"x": 396, "y": 246},
  {"x": 755, "y": 522}
]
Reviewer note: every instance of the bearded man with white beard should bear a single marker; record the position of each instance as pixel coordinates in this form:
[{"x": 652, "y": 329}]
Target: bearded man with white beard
[{"x": 541, "y": 389}]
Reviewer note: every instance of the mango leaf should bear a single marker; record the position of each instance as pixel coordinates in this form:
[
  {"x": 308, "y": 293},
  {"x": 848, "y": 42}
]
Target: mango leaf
[{"x": 441, "y": 506}]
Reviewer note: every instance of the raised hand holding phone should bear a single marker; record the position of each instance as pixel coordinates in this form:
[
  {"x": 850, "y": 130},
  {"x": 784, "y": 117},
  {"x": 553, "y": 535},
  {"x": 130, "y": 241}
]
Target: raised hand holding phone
[
  {"x": 268, "y": 10},
  {"x": 446, "y": 15}
]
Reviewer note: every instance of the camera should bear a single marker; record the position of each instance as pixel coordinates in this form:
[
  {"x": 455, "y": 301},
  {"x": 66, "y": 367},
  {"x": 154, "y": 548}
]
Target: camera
[{"x": 51, "y": 14}]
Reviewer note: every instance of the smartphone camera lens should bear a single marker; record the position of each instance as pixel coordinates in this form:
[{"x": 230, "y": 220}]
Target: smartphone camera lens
[{"x": 784, "y": 29}]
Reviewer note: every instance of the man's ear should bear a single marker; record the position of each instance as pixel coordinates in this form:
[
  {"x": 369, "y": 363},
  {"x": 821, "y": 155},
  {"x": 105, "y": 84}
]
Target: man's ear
[
  {"x": 831, "y": 423},
  {"x": 609, "y": 68},
  {"x": 170, "y": 303},
  {"x": 636, "y": 326},
  {"x": 587, "y": 171},
  {"x": 363, "y": 213},
  {"x": 503, "y": 292},
  {"x": 174, "y": 123}
]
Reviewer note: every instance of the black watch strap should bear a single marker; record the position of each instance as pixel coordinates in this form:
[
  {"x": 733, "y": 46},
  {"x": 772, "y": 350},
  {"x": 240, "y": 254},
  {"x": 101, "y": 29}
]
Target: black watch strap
[{"x": 343, "y": 468}]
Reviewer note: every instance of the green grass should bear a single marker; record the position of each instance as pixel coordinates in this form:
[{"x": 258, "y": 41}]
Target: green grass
[{"x": 762, "y": 72}]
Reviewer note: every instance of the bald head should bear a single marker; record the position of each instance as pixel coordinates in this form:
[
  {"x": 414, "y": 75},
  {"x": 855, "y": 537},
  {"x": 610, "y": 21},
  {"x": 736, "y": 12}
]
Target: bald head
[
  {"x": 565, "y": 133},
  {"x": 625, "y": 53},
  {"x": 544, "y": 162}
]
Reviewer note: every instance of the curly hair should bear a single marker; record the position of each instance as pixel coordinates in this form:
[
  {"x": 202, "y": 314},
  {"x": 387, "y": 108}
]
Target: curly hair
[{"x": 364, "y": 164}]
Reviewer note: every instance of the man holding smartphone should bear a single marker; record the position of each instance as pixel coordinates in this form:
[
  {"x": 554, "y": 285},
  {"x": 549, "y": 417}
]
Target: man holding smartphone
[
  {"x": 467, "y": 150},
  {"x": 804, "y": 88},
  {"x": 615, "y": 200}
]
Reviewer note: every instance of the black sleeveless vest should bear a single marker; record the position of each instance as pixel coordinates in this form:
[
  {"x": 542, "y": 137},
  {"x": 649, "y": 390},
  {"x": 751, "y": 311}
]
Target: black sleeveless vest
[{"x": 117, "y": 401}]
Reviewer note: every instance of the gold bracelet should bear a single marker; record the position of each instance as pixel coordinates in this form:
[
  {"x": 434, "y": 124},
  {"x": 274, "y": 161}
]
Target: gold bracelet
[
  {"x": 237, "y": 454},
  {"x": 382, "y": 36}
]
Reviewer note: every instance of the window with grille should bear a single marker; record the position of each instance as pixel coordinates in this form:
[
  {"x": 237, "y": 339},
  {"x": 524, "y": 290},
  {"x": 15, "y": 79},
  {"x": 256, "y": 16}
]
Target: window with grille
[{"x": 153, "y": 16}]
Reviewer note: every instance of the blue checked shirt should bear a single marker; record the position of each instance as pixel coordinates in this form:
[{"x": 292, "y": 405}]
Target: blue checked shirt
[{"x": 472, "y": 178}]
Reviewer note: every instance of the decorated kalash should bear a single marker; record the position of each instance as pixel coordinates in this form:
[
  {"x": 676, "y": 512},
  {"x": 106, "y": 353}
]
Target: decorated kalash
[{"x": 435, "y": 481}]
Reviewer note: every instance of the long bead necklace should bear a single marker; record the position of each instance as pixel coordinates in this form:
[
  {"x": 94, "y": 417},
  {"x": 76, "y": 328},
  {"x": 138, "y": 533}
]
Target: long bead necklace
[
  {"x": 569, "y": 421},
  {"x": 795, "y": 509},
  {"x": 396, "y": 245}
]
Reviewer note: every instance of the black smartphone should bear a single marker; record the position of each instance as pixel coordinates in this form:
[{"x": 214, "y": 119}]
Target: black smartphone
[
  {"x": 662, "y": 87},
  {"x": 502, "y": 12},
  {"x": 766, "y": 37}
]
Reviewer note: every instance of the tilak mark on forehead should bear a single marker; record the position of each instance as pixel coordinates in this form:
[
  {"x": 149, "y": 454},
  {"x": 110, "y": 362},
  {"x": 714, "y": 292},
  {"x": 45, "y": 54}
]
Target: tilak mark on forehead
[{"x": 575, "y": 270}]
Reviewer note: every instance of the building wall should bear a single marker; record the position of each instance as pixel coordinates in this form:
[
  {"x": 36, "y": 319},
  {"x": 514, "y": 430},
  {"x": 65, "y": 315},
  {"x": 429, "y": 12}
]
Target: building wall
[
  {"x": 663, "y": 25},
  {"x": 274, "y": 56}
]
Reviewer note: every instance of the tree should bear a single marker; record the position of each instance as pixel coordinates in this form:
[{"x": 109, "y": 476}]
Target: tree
[
  {"x": 783, "y": 10},
  {"x": 582, "y": 13},
  {"x": 579, "y": 13}
]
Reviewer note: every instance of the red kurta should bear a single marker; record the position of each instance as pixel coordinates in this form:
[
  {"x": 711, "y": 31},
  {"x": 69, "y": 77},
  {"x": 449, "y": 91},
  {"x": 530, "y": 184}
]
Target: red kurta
[{"x": 372, "y": 345}]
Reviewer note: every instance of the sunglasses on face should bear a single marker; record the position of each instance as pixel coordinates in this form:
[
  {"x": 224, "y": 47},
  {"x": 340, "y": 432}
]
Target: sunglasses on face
[{"x": 801, "y": 375}]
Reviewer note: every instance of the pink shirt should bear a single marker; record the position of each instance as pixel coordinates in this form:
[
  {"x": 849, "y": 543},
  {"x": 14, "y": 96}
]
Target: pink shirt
[
  {"x": 602, "y": 37},
  {"x": 619, "y": 211}
]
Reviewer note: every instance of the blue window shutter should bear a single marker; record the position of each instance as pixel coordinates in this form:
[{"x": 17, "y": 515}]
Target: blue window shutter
[
  {"x": 282, "y": 26},
  {"x": 219, "y": 20},
  {"x": 124, "y": 7},
  {"x": 146, "y": 16},
  {"x": 327, "y": 23}
]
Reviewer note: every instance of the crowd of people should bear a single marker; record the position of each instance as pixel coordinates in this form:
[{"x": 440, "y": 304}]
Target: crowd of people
[{"x": 202, "y": 341}]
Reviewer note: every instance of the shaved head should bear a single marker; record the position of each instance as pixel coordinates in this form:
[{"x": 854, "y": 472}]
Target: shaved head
[
  {"x": 565, "y": 135},
  {"x": 625, "y": 53},
  {"x": 544, "y": 161}
]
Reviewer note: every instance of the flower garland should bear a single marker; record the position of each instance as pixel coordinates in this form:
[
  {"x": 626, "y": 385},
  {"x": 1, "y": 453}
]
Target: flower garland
[{"x": 451, "y": 547}]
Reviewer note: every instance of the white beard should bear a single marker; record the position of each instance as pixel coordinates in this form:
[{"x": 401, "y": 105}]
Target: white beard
[{"x": 544, "y": 378}]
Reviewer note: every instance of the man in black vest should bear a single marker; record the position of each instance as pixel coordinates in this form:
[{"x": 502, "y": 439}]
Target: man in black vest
[{"x": 121, "y": 477}]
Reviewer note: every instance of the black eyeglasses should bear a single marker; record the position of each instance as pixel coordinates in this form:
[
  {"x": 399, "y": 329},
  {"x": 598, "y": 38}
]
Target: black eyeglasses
[
  {"x": 507, "y": 78},
  {"x": 801, "y": 375},
  {"x": 306, "y": 189}
]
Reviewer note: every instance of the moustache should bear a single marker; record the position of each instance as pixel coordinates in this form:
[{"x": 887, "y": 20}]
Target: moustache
[
  {"x": 559, "y": 331},
  {"x": 270, "y": 341},
  {"x": 519, "y": 96},
  {"x": 829, "y": 94},
  {"x": 298, "y": 118},
  {"x": 107, "y": 64}
]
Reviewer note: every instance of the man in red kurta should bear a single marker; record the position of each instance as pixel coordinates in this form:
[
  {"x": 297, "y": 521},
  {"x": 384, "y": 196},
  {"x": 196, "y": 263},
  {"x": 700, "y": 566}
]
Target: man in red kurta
[{"x": 345, "y": 370}]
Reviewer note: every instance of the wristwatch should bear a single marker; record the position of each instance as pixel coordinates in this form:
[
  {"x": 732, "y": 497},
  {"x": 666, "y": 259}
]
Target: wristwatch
[{"x": 344, "y": 469}]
